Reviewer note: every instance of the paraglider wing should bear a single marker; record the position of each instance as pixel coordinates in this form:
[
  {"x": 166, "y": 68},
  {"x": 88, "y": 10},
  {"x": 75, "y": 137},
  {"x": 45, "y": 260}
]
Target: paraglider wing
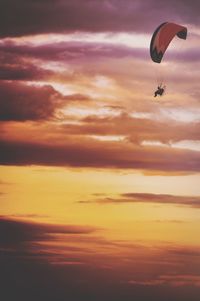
[{"x": 162, "y": 37}]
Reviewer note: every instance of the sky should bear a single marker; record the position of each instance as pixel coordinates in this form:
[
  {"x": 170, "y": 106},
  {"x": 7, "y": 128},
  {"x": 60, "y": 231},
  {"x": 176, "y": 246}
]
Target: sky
[{"x": 99, "y": 180}]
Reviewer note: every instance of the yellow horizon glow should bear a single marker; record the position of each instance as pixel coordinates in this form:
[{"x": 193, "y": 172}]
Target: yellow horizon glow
[{"x": 68, "y": 196}]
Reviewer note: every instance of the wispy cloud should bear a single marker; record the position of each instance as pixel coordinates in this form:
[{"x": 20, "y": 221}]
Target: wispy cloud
[
  {"x": 190, "y": 201},
  {"x": 171, "y": 280}
]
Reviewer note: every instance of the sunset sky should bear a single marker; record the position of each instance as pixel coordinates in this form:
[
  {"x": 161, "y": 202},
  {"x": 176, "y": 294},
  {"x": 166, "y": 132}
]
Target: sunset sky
[{"x": 99, "y": 180}]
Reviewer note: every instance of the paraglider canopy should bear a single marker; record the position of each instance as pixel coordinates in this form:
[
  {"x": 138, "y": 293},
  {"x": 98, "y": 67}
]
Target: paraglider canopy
[{"x": 162, "y": 37}]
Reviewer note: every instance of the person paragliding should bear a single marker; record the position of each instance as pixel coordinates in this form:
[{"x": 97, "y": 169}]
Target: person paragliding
[
  {"x": 160, "y": 90},
  {"x": 160, "y": 41}
]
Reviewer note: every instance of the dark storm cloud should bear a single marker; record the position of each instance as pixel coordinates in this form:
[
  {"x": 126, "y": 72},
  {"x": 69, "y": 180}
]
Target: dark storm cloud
[
  {"x": 86, "y": 153},
  {"x": 190, "y": 201},
  {"x": 24, "y": 17}
]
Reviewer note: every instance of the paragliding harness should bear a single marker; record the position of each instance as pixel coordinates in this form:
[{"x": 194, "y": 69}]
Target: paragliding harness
[{"x": 160, "y": 90}]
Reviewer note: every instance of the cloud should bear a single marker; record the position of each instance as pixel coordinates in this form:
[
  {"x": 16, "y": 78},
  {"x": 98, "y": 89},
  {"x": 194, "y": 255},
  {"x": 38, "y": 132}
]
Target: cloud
[
  {"x": 22, "y": 102},
  {"x": 172, "y": 280},
  {"x": 22, "y": 71},
  {"x": 15, "y": 232},
  {"x": 55, "y": 262},
  {"x": 184, "y": 251},
  {"x": 67, "y": 50},
  {"x": 190, "y": 201},
  {"x": 86, "y": 153},
  {"x": 136, "y": 129},
  {"x": 68, "y": 270},
  {"x": 5, "y": 183},
  {"x": 27, "y": 216},
  {"x": 76, "y": 143},
  {"x": 15, "y": 66},
  {"x": 94, "y": 16}
]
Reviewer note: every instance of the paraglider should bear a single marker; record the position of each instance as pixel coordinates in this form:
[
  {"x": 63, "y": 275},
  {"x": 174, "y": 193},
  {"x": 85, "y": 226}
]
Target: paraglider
[
  {"x": 160, "y": 41},
  {"x": 160, "y": 90}
]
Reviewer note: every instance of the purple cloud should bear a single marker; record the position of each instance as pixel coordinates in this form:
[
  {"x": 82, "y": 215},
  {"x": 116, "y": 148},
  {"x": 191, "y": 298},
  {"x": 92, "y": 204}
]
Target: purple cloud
[
  {"x": 86, "y": 153},
  {"x": 93, "y": 16},
  {"x": 64, "y": 51},
  {"x": 21, "y": 102}
]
